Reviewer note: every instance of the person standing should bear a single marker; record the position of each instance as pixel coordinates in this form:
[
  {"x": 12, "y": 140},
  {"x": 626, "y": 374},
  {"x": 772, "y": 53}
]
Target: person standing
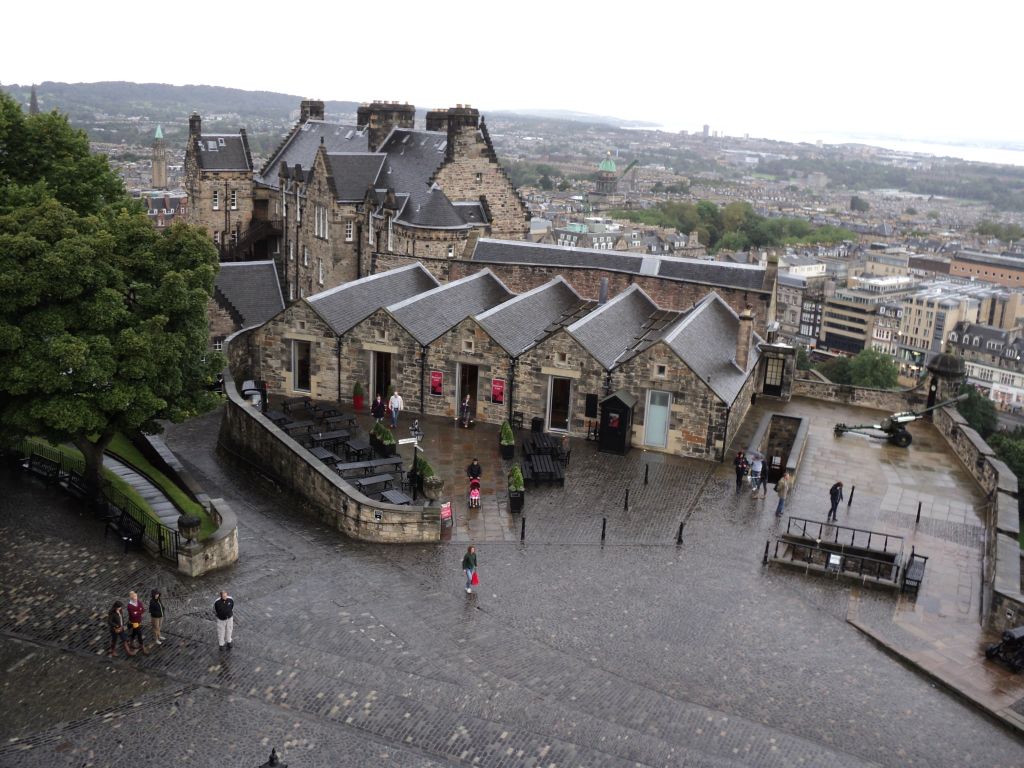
[
  {"x": 115, "y": 623},
  {"x": 756, "y": 467},
  {"x": 741, "y": 466},
  {"x": 396, "y": 404},
  {"x": 783, "y": 488},
  {"x": 835, "y": 495},
  {"x": 474, "y": 469},
  {"x": 469, "y": 567},
  {"x": 135, "y": 611},
  {"x": 378, "y": 409},
  {"x": 156, "y": 615},
  {"x": 464, "y": 412},
  {"x": 225, "y": 610}
]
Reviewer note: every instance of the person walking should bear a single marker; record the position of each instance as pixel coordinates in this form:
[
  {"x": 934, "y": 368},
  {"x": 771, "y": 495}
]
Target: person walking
[
  {"x": 156, "y": 615},
  {"x": 464, "y": 412},
  {"x": 474, "y": 469},
  {"x": 116, "y": 625},
  {"x": 756, "y": 467},
  {"x": 469, "y": 567},
  {"x": 783, "y": 488},
  {"x": 835, "y": 495},
  {"x": 378, "y": 409},
  {"x": 135, "y": 611},
  {"x": 224, "y": 608},
  {"x": 396, "y": 404},
  {"x": 741, "y": 466}
]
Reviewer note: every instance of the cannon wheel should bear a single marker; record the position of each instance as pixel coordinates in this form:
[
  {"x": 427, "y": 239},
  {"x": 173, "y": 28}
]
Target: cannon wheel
[{"x": 901, "y": 439}]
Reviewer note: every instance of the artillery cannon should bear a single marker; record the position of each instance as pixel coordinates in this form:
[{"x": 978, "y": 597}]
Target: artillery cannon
[{"x": 893, "y": 426}]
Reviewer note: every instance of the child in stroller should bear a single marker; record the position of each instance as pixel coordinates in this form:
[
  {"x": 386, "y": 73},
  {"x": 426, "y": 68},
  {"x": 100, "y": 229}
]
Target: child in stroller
[{"x": 474, "y": 492}]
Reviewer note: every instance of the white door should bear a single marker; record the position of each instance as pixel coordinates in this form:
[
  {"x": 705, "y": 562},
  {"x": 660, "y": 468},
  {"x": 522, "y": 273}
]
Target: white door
[{"x": 656, "y": 418}]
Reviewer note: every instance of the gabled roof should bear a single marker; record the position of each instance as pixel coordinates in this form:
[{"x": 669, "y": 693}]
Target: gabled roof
[
  {"x": 346, "y": 305},
  {"x": 252, "y": 289},
  {"x": 745, "y": 276},
  {"x": 351, "y": 173},
  {"x": 613, "y": 329},
  {"x": 705, "y": 339},
  {"x": 522, "y": 321},
  {"x": 302, "y": 143},
  {"x": 428, "y": 315},
  {"x": 222, "y": 152}
]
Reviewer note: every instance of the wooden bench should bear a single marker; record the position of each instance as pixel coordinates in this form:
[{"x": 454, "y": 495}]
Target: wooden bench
[
  {"x": 76, "y": 484},
  {"x": 527, "y": 471},
  {"x": 128, "y": 528},
  {"x": 913, "y": 573},
  {"x": 46, "y": 468}
]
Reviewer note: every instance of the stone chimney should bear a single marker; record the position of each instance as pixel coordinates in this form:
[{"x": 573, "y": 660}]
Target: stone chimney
[
  {"x": 195, "y": 125},
  {"x": 380, "y": 117},
  {"x": 311, "y": 109},
  {"x": 744, "y": 337}
]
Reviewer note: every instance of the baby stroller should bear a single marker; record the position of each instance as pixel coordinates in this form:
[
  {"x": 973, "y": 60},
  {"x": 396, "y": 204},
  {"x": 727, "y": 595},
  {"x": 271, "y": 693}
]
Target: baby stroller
[{"x": 474, "y": 492}]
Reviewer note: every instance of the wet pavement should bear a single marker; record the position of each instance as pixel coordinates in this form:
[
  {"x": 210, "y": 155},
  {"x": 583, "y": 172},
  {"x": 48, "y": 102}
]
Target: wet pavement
[{"x": 639, "y": 651}]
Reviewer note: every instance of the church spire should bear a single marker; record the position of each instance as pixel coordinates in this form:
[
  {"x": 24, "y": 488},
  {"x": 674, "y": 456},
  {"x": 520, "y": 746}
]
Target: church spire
[{"x": 33, "y": 103}]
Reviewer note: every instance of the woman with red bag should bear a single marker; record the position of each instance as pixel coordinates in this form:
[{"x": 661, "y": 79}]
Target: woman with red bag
[{"x": 469, "y": 566}]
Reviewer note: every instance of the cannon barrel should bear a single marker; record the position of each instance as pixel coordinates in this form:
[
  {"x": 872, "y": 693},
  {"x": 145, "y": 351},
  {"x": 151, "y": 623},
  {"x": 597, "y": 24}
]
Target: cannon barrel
[{"x": 943, "y": 404}]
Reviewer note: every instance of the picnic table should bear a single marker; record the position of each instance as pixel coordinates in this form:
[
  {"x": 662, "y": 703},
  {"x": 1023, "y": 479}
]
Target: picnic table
[
  {"x": 326, "y": 456},
  {"x": 395, "y": 497},
  {"x": 290, "y": 402},
  {"x": 302, "y": 427},
  {"x": 362, "y": 483},
  {"x": 544, "y": 468},
  {"x": 357, "y": 447},
  {"x": 544, "y": 444},
  {"x": 392, "y": 462},
  {"x": 341, "y": 419},
  {"x": 330, "y": 439},
  {"x": 277, "y": 417},
  {"x": 324, "y": 411}
]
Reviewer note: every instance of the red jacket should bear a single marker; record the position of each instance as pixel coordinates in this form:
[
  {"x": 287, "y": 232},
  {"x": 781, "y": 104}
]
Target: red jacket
[{"x": 135, "y": 612}]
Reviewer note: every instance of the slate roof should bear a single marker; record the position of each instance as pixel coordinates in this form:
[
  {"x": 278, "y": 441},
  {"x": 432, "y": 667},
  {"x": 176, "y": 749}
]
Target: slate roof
[
  {"x": 301, "y": 145},
  {"x": 613, "y": 329},
  {"x": 252, "y": 289},
  {"x": 222, "y": 152},
  {"x": 352, "y": 173},
  {"x": 522, "y": 321},
  {"x": 745, "y": 276},
  {"x": 346, "y": 305},
  {"x": 428, "y": 315},
  {"x": 705, "y": 339}
]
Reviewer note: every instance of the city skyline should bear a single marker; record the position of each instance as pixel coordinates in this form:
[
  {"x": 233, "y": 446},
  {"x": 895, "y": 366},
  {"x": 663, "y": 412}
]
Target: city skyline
[{"x": 914, "y": 71}]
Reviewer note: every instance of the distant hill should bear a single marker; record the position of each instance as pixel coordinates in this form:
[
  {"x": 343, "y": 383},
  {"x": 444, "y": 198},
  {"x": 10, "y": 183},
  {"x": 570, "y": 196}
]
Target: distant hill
[{"x": 575, "y": 117}]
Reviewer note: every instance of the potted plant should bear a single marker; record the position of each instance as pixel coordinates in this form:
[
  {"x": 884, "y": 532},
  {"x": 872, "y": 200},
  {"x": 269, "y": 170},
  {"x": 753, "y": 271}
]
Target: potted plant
[
  {"x": 516, "y": 490},
  {"x": 358, "y": 396},
  {"x": 430, "y": 482},
  {"x": 382, "y": 440},
  {"x": 507, "y": 441}
]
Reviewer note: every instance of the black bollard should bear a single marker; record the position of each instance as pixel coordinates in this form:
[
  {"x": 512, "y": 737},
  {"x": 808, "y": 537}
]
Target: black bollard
[
  {"x": 918, "y": 513},
  {"x": 764, "y": 560},
  {"x": 679, "y": 536},
  {"x": 647, "y": 471},
  {"x": 604, "y": 525},
  {"x": 274, "y": 761},
  {"x": 522, "y": 530},
  {"x": 626, "y": 505},
  {"x": 849, "y": 501}
]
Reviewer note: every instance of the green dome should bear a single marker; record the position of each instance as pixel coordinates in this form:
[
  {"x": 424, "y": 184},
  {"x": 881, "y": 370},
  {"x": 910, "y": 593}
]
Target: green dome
[{"x": 607, "y": 165}]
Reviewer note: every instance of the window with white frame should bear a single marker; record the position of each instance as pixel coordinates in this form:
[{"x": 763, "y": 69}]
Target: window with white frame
[
  {"x": 467, "y": 345},
  {"x": 233, "y": 198},
  {"x": 349, "y": 231},
  {"x": 320, "y": 271},
  {"x": 218, "y": 344},
  {"x": 305, "y": 256},
  {"x": 216, "y": 199},
  {"x": 216, "y": 237},
  {"x": 372, "y": 234},
  {"x": 291, "y": 251},
  {"x": 291, "y": 292},
  {"x": 391, "y": 234},
  {"x": 660, "y": 371},
  {"x": 561, "y": 357},
  {"x": 451, "y": 251},
  {"x": 277, "y": 245}
]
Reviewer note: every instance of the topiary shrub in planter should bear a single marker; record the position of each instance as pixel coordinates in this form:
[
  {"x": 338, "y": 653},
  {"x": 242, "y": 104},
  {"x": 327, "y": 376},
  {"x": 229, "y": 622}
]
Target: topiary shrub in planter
[
  {"x": 382, "y": 440},
  {"x": 516, "y": 490},
  {"x": 431, "y": 484},
  {"x": 358, "y": 396},
  {"x": 507, "y": 441}
]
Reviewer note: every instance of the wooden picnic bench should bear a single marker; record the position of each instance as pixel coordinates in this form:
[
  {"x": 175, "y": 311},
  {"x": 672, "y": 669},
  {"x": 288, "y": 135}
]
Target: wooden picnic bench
[
  {"x": 362, "y": 483},
  {"x": 342, "y": 419},
  {"x": 290, "y": 402},
  {"x": 395, "y": 497},
  {"x": 303, "y": 427},
  {"x": 279, "y": 418},
  {"x": 128, "y": 528},
  {"x": 326, "y": 456},
  {"x": 357, "y": 447},
  {"x": 331, "y": 438},
  {"x": 913, "y": 572},
  {"x": 324, "y": 411}
]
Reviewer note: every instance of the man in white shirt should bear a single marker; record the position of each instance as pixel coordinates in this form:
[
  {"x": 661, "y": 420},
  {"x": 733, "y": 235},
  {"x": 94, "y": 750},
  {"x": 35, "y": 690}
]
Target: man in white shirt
[{"x": 396, "y": 404}]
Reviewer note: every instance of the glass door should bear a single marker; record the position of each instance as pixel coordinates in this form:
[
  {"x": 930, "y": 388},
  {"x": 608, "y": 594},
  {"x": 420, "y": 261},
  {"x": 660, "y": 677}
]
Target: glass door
[
  {"x": 656, "y": 418},
  {"x": 559, "y": 402}
]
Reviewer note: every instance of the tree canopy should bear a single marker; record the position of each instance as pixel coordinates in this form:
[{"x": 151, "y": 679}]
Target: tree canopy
[
  {"x": 869, "y": 368},
  {"x": 102, "y": 317},
  {"x": 978, "y": 410}
]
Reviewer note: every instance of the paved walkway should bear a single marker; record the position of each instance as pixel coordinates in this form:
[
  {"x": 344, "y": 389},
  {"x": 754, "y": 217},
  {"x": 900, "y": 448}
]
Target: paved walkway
[{"x": 639, "y": 652}]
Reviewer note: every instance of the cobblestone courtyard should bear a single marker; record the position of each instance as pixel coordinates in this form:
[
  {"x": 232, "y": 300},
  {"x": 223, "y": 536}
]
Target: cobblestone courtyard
[{"x": 638, "y": 652}]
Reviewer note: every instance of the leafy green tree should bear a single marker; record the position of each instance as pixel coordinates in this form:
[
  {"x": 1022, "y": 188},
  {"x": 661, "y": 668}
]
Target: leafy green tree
[
  {"x": 803, "y": 360},
  {"x": 978, "y": 410},
  {"x": 859, "y": 204},
  {"x": 102, "y": 318},
  {"x": 1010, "y": 448},
  {"x": 910, "y": 210},
  {"x": 564, "y": 185},
  {"x": 836, "y": 370},
  {"x": 546, "y": 183},
  {"x": 871, "y": 368},
  {"x": 658, "y": 187}
]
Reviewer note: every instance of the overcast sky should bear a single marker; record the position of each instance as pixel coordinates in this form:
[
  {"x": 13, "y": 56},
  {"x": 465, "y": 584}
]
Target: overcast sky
[{"x": 924, "y": 70}]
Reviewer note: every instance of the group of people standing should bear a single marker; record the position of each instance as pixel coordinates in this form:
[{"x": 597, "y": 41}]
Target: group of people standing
[
  {"x": 753, "y": 465},
  {"x": 379, "y": 409},
  {"x": 125, "y": 622}
]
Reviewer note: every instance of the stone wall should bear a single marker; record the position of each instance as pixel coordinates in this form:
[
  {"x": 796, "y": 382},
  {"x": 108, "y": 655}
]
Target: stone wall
[
  {"x": 667, "y": 294},
  {"x": 201, "y": 185},
  {"x": 273, "y": 342},
  {"x": 220, "y": 549},
  {"x": 890, "y": 400},
  {"x": 467, "y": 344},
  {"x": 381, "y": 333},
  {"x": 250, "y": 438},
  {"x": 221, "y": 323}
]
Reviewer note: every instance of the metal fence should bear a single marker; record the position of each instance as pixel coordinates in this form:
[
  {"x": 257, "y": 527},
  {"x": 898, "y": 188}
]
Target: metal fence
[{"x": 68, "y": 471}]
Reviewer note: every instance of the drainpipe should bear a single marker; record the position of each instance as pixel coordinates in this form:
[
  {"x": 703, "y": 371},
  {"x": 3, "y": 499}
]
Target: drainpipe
[
  {"x": 725, "y": 435},
  {"x": 337, "y": 349},
  {"x": 423, "y": 374},
  {"x": 511, "y": 386}
]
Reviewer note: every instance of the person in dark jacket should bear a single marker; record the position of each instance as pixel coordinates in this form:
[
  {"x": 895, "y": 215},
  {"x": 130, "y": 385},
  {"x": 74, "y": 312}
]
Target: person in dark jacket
[
  {"x": 224, "y": 608},
  {"x": 741, "y": 466},
  {"x": 835, "y": 495},
  {"x": 156, "y": 615},
  {"x": 474, "y": 469},
  {"x": 469, "y": 567},
  {"x": 116, "y": 625},
  {"x": 135, "y": 611},
  {"x": 378, "y": 410}
]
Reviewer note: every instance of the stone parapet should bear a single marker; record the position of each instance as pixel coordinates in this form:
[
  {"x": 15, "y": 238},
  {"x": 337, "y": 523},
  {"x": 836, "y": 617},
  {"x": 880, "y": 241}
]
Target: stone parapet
[{"x": 217, "y": 551}]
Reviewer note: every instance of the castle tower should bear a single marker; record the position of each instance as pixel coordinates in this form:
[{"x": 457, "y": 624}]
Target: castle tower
[
  {"x": 606, "y": 181},
  {"x": 33, "y": 103},
  {"x": 159, "y": 160}
]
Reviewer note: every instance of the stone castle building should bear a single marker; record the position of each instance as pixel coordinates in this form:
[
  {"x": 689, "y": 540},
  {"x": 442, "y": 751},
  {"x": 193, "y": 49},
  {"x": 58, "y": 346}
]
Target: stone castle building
[{"x": 338, "y": 202}]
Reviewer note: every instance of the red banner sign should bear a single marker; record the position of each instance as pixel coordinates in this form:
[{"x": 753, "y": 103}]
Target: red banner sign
[
  {"x": 446, "y": 511},
  {"x": 437, "y": 383},
  {"x": 498, "y": 391}
]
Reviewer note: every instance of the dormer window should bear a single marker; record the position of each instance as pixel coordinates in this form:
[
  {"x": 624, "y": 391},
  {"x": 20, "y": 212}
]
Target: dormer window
[{"x": 220, "y": 141}]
